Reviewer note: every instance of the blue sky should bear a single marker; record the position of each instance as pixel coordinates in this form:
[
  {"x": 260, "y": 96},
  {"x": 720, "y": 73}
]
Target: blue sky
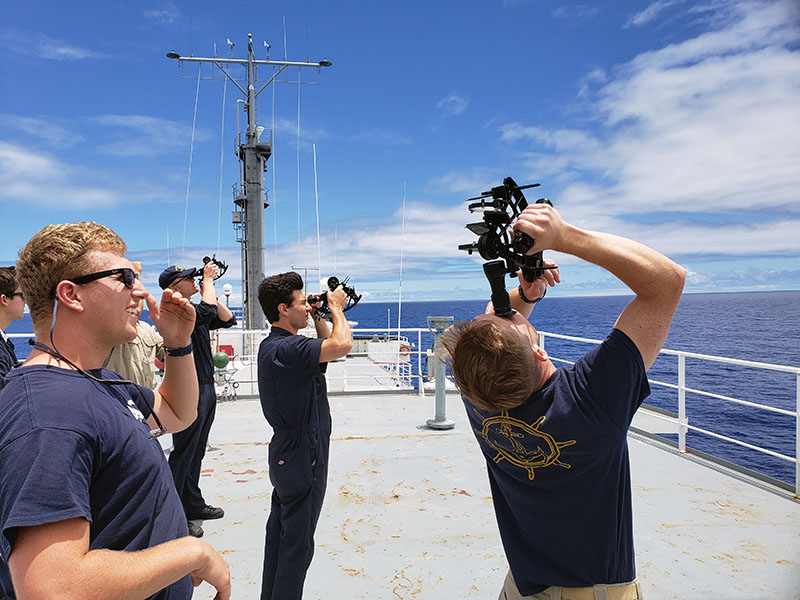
[{"x": 676, "y": 123}]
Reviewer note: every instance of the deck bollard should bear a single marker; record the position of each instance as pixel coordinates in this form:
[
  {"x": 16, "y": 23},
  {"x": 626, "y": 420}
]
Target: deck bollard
[{"x": 437, "y": 325}]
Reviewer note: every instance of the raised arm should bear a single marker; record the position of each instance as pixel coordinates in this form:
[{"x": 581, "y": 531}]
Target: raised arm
[
  {"x": 340, "y": 340},
  {"x": 54, "y": 561},
  {"x": 176, "y": 398},
  {"x": 208, "y": 293},
  {"x": 533, "y": 290},
  {"x": 655, "y": 279}
]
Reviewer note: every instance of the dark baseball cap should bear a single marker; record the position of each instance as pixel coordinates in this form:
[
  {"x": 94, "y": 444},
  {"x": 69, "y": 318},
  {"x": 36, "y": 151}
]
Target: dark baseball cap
[{"x": 172, "y": 273}]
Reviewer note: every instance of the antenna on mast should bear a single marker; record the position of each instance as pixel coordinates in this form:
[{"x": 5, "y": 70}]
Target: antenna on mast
[{"x": 253, "y": 153}]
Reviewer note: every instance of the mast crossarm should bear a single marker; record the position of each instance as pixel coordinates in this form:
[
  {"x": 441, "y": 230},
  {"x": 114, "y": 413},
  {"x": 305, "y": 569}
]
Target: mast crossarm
[
  {"x": 270, "y": 80},
  {"x": 242, "y": 61},
  {"x": 229, "y": 76}
]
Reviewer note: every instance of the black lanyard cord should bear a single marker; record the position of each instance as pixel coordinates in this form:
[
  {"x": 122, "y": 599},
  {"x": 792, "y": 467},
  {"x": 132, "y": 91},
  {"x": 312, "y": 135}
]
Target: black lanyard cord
[{"x": 54, "y": 352}]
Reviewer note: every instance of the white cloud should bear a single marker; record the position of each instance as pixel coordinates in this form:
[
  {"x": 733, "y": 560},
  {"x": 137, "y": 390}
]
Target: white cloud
[
  {"x": 469, "y": 183},
  {"x": 166, "y": 15},
  {"x": 453, "y": 104},
  {"x": 17, "y": 162},
  {"x": 577, "y": 12},
  {"x": 432, "y": 234},
  {"x": 42, "y": 180},
  {"x": 384, "y": 137},
  {"x": 514, "y": 3},
  {"x": 42, "y": 46},
  {"x": 43, "y": 130},
  {"x": 650, "y": 13},
  {"x": 141, "y": 135},
  {"x": 709, "y": 125},
  {"x": 286, "y": 129},
  {"x": 693, "y": 149},
  {"x": 594, "y": 77}
]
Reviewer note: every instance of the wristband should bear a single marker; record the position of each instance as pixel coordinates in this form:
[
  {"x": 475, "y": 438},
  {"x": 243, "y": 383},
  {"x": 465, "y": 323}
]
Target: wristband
[
  {"x": 525, "y": 298},
  {"x": 179, "y": 351}
]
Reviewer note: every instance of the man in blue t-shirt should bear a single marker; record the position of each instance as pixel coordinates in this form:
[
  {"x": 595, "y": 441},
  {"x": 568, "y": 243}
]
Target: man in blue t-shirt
[
  {"x": 294, "y": 399},
  {"x": 87, "y": 504},
  {"x": 555, "y": 440},
  {"x": 189, "y": 446}
]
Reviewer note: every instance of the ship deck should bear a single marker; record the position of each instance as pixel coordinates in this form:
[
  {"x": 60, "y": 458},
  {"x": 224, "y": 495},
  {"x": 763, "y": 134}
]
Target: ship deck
[{"x": 408, "y": 512}]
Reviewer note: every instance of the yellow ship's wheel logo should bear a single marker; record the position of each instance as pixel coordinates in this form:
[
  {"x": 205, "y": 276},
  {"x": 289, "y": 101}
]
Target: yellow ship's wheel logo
[{"x": 521, "y": 444}]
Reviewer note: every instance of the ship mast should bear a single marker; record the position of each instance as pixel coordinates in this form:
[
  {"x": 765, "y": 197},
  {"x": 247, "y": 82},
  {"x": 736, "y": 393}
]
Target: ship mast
[{"x": 253, "y": 154}]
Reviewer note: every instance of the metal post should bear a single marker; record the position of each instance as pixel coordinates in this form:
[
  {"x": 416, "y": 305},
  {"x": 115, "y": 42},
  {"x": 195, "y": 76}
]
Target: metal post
[
  {"x": 421, "y": 389},
  {"x": 682, "y": 423},
  {"x": 437, "y": 325},
  {"x": 254, "y": 155},
  {"x": 797, "y": 439}
]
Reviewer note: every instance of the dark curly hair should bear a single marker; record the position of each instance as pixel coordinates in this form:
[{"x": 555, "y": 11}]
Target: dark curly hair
[
  {"x": 8, "y": 280},
  {"x": 276, "y": 290}
]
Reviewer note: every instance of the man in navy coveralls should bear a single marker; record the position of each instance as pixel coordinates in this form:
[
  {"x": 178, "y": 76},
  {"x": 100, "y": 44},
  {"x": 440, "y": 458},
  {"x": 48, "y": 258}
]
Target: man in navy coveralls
[
  {"x": 87, "y": 504},
  {"x": 189, "y": 446},
  {"x": 294, "y": 398},
  {"x": 555, "y": 440}
]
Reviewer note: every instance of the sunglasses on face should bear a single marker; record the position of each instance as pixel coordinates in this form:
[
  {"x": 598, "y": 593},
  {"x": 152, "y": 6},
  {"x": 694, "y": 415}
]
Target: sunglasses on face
[
  {"x": 127, "y": 276},
  {"x": 11, "y": 296}
]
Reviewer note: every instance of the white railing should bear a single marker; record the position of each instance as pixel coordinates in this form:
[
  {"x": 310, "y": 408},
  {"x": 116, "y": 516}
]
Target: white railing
[
  {"x": 401, "y": 366},
  {"x": 396, "y": 357},
  {"x": 683, "y": 419}
]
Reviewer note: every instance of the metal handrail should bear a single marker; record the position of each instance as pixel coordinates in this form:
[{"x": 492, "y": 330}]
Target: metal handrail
[
  {"x": 682, "y": 421},
  {"x": 682, "y": 388}
]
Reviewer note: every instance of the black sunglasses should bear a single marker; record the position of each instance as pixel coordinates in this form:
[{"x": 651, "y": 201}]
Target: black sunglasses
[
  {"x": 20, "y": 294},
  {"x": 129, "y": 276}
]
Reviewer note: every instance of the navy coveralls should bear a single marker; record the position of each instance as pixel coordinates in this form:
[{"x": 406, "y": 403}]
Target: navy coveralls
[
  {"x": 186, "y": 458},
  {"x": 294, "y": 398}
]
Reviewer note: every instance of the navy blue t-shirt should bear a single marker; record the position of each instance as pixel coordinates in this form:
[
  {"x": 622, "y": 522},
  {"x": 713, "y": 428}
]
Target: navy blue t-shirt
[
  {"x": 559, "y": 471},
  {"x": 293, "y": 391},
  {"x": 71, "y": 447}
]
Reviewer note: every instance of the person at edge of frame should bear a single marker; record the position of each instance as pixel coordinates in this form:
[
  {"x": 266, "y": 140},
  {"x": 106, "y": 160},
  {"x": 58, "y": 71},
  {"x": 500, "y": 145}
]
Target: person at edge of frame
[
  {"x": 555, "y": 440},
  {"x": 294, "y": 399},
  {"x": 88, "y": 508},
  {"x": 12, "y": 308},
  {"x": 189, "y": 446}
]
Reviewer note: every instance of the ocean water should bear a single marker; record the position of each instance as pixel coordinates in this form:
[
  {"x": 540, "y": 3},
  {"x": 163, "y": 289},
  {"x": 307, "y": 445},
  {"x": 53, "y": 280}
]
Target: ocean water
[{"x": 755, "y": 326}]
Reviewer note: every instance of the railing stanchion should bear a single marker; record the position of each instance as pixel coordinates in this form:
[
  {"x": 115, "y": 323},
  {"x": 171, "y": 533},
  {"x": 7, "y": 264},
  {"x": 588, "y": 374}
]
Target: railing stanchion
[
  {"x": 797, "y": 438},
  {"x": 419, "y": 363},
  {"x": 682, "y": 423},
  {"x": 437, "y": 325}
]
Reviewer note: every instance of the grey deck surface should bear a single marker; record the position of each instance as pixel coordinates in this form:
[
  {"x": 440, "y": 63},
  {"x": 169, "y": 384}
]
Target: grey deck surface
[{"x": 408, "y": 512}]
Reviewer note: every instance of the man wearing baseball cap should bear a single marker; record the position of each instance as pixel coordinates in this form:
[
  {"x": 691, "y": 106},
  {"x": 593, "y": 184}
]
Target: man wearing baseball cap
[{"x": 189, "y": 449}]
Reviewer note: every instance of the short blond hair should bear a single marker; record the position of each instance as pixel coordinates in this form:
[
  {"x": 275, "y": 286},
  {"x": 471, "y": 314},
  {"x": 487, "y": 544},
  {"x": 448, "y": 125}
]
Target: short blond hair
[
  {"x": 492, "y": 365},
  {"x": 56, "y": 253}
]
